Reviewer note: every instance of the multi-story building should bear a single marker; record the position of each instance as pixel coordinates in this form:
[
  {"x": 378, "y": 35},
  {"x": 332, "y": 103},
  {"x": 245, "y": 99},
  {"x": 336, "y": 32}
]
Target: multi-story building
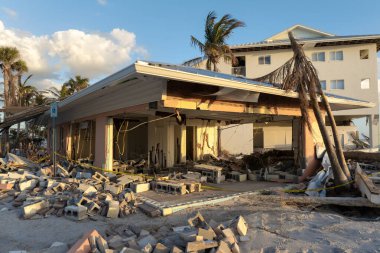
[{"x": 346, "y": 65}]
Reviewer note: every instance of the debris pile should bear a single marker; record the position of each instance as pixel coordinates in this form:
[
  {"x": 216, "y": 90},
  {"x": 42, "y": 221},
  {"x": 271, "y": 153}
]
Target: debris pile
[
  {"x": 77, "y": 193},
  {"x": 197, "y": 236}
]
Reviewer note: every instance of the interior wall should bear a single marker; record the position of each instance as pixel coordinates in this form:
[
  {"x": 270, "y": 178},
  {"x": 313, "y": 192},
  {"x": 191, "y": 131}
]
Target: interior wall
[
  {"x": 84, "y": 140},
  {"x": 133, "y": 144},
  {"x": 237, "y": 139}
]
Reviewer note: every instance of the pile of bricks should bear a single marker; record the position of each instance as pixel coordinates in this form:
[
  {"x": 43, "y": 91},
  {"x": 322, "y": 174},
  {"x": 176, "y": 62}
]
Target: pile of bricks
[
  {"x": 196, "y": 236},
  {"x": 74, "y": 194}
]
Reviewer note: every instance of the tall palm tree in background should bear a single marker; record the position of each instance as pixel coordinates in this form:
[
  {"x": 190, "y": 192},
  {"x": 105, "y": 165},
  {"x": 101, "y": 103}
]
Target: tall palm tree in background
[
  {"x": 8, "y": 56},
  {"x": 214, "y": 46},
  {"x": 19, "y": 68},
  {"x": 298, "y": 74},
  {"x": 69, "y": 88},
  {"x": 76, "y": 84},
  {"x": 26, "y": 93}
]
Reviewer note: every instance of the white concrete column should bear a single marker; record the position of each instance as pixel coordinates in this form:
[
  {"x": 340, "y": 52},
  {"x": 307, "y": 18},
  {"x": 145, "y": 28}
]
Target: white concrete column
[
  {"x": 104, "y": 143},
  {"x": 183, "y": 144},
  {"x": 169, "y": 146},
  {"x": 69, "y": 140},
  {"x": 374, "y": 131}
]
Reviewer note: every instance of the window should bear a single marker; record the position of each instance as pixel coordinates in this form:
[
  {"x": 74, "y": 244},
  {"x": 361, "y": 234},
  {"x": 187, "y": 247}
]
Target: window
[
  {"x": 323, "y": 84},
  {"x": 364, "y": 84},
  {"x": 319, "y": 56},
  {"x": 264, "y": 60},
  {"x": 364, "y": 54},
  {"x": 336, "y": 56},
  {"x": 238, "y": 66},
  {"x": 337, "y": 84}
]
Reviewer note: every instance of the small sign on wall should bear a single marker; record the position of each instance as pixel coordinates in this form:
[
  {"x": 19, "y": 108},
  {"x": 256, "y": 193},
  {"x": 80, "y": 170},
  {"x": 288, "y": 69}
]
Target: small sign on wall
[{"x": 54, "y": 110}]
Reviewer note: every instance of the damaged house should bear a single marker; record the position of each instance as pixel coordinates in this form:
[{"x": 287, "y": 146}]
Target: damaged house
[{"x": 166, "y": 114}]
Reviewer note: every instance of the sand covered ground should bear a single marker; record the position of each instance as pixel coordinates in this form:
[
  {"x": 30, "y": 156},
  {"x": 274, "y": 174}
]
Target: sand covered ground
[{"x": 273, "y": 227}]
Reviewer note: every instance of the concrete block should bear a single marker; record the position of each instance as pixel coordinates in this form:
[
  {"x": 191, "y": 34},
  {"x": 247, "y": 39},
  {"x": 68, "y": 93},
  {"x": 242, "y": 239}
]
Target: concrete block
[
  {"x": 101, "y": 244},
  {"x": 28, "y": 185},
  {"x": 83, "y": 175},
  {"x": 175, "y": 249},
  {"x": 129, "y": 250},
  {"x": 29, "y": 210},
  {"x": 113, "y": 209},
  {"x": 200, "y": 245},
  {"x": 149, "y": 239},
  {"x": 229, "y": 235},
  {"x": 240, "y": 225},
  {"x": 208, "y": 234},
  {"x": 83, "y": 244},
  {"x": 140, "y": 187},
  {"x": 197, "y": 221},
  {"x": 76, "y": 212},
  {"x": 116, "y": 242},
  {"x": 87, "y": 189},
  {"x": 113, "y": 188},
  {"x": 237, "y": 176},
  {"x": 93, "y": 207},
  {"x": 99, "y": 177},
  {"x": 223, "y": 248},
  {"x": 235, "y": 248},
  {"x": 160, "y": 248},
  {"x": 58, "y": 187}
]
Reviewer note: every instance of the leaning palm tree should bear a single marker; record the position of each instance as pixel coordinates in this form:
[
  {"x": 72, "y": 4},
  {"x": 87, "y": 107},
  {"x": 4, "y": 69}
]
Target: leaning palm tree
[
  {"x": 298, "y": 74},
  {"x": 8, "y": 56},
  {"x": 40, "y": 98},
  {"x": 214, "y": 46},
  {"x": 26, "y": 94}
]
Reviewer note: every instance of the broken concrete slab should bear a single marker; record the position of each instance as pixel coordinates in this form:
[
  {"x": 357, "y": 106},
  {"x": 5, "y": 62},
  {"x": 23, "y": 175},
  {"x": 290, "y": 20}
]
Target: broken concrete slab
[
  {"x": 31, "y": 209},
  {"x": 113, "y": 209},
  {"x": 28, "y": 184},
  {"x": 149, "y": 239},
  {"x": 140, "y": 187},
  {"x": 200, "y": 245}
]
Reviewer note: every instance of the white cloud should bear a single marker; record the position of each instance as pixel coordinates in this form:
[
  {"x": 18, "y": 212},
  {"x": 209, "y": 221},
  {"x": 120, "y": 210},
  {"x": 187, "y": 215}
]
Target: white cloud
[
  {"x": 102, "y": 2},
  {"x": 58, "y": 56},
  {"x": 11, "y": 13}
]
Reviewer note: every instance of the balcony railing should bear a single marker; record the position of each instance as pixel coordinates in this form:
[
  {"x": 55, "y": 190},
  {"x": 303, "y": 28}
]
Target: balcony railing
[{"x": 238, "y": 71}]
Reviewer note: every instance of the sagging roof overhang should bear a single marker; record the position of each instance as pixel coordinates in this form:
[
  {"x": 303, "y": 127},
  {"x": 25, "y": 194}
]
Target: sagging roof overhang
[
  {"x": 28, "y": 114},
  {"x": 140, "y": 69}
]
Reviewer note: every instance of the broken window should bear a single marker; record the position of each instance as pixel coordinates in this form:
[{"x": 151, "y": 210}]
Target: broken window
[
  {"x": 336, "y": 56},
  {"x": 364, "y": 54},
  {"x": 364, "y": 84},
  {"x": 264, "y": 60},
  {"x": 238, "y": 67},
  {"x": 318, "y": 56},
  {"x": 337, "y": 84}
]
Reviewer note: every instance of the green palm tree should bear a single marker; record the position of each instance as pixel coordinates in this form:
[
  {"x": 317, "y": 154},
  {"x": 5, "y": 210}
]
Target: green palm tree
[
  {"x": 76, "y": 84},
  {"x": 40, "y": 98},
  {"x": 8, "y": 56},
  {"x": 26, "y": 93},
  {"x": 59, "y": 94},
  {"x": 214, "y": 46}
]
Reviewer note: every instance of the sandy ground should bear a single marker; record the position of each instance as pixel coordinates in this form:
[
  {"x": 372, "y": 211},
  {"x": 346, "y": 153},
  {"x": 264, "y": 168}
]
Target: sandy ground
[{"x": 273, "y": 227}]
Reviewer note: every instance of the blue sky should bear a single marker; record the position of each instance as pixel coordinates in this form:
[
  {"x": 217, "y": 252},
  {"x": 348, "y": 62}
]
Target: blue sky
[{"x": 157, "y": 30}]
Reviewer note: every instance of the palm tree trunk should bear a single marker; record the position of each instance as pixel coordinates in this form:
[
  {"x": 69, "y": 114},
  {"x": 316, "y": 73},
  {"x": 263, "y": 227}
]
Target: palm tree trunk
[
  {"x": 338, "y": 146},
  {"x": 6, "y": 77},
  {"x": 339, "y": 175}
]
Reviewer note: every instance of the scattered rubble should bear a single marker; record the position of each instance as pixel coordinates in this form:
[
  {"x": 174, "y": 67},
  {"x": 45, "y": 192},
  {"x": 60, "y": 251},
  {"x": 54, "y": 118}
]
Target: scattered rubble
[{"x": 197, "y": 236}]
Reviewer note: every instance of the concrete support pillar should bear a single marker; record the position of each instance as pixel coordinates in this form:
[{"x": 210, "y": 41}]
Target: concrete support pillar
[
  {"x": 169, "y": 146},
  {"x": 374, "y": 131},
  {"x": 69, "y": 140},
  {"x": 183, "y": 144},
  {"x": 104, "y": 143}
]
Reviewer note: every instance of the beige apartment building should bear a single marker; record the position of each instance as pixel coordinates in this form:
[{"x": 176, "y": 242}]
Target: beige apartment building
[{"x": 346, "y": 65}]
